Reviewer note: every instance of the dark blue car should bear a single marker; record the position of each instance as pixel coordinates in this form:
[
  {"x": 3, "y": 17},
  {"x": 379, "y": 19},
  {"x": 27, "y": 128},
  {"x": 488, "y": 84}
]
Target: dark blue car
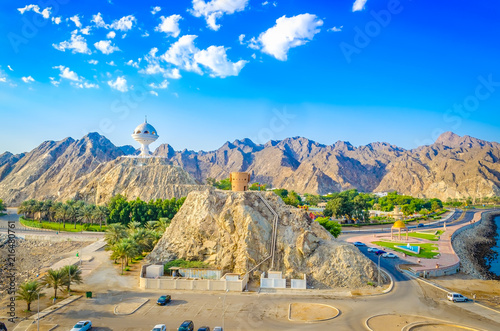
[{"x": 163, "y": 300}]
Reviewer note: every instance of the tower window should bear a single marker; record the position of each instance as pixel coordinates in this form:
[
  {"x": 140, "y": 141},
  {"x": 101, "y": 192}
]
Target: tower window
[{"x": 138, "y": 131}]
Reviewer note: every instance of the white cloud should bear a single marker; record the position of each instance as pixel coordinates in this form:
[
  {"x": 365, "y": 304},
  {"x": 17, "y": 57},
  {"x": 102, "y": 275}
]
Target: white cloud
[
  {"x": 358, "y": 5},
  {"x": 155, "y": 10},
  {"x": 152, "y": 69},
  {"x": 56, "y": 20},
  {"x": 145, "y": 34},
  {"x": 111, "y": 35},
  {"x": 93, "y": 62},
  {"x": 215, "y": 9},
  {"x": 133, "y": 64},
  {"x": 215, "y": 58},
  {"x": 181, "y": 53},
  {"x": 105, "y": 47},
  {"x": 86, "y": 30},
  {"x": 124, "y": 24},
  {"x": 288, "y": 32},
  {"x": 66, "y": 73},
  {"x": 10, "y": 68},
  {"x": 45, "y": 13},
  {"x": 112, "y": 63},
  {"x": 75, "y": 19},
  {"x": 90, "y": 85},
  {"x": 170, "y": 25},
  {"x": 154, "y": 93},
  {"x": 99, "y": 21},
  {"x": 120, "y": 84},
  {"x": 77, "y": 44},
  {"x": 241, "y": 38},
  {"x": 265, "y": 3},
  {"x": 28, "y": 79},
  {"x": 174, "y": 74},
  {"x": 163, "y": 85},
  {"x": 54, "y": 82},
  {"x": 3, "y": 77},
  {"x": 335, "y": 29}
]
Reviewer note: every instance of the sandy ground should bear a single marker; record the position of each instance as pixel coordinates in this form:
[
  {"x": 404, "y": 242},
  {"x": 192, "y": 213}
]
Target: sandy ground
[
  {"x": 311, "y": 312},
  {"x": 397, "y": 322},
  {"x": 487, "y": 291}
]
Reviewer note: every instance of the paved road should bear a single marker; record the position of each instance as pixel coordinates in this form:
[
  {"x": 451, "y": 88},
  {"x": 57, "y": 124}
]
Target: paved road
[{"x": 266, "y": 311}]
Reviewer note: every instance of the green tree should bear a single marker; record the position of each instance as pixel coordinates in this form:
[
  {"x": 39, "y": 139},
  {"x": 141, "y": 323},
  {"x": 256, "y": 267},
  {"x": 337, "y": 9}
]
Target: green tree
[
  {"x": 73, "y": 275},
  {"x": 3, "y": 207},
  {"x": 331, "y": 226},
  {"x": 114, "y": 233},
  {"x": 100, "y": 214},
  {"x": 223, "y": 184},
  {"x": 54, "y": 279},
  {"x": 29, "y": 292},
  {"x": 339, "y": 207}
]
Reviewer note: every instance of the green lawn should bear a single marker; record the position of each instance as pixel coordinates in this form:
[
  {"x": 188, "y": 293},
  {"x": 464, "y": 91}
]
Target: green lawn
[
  {"x": 427, "y": 251},
  {"x": 427, "y": 236},
  {"x": 70, "y": 227}
]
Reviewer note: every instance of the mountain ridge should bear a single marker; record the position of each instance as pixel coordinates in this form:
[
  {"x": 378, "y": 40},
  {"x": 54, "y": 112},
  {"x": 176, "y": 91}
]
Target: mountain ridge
[{"x": 452, "y": 167}]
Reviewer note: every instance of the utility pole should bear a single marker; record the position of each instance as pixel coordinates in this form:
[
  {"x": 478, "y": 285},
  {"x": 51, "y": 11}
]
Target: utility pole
[{"x": 379, "y": 269}]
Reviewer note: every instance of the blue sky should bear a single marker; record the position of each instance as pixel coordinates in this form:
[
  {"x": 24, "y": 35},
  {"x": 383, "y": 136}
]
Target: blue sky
[{"x": 206, "y": 72}]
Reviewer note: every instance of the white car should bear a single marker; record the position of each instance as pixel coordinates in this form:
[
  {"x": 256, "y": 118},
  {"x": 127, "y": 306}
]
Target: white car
[
  {"x": 160, "y": 327},
  {"x": 457, "y": 297},
  {"x": 218, "y": 328},
  {"x": 82, "y": 326},
  {"x": 372, "y": 249},
  {"x": 389, "y": 255}
]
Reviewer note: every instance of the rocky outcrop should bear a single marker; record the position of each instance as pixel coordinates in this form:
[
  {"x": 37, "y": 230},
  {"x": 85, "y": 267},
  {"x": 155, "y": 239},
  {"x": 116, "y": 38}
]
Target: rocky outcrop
[
  {"x": 233, "y": 231},
  {"x": 145, "y": 178},
  {"x": 474, "y": 247}
]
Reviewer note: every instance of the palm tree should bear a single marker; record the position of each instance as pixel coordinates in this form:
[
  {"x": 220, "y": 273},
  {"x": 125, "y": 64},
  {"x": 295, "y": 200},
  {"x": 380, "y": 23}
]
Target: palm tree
[
  {"x": 38, "y": 208},
  {"x": 73, "y": 274},
  {"x": 54, "y": 279},
  {"x": 122, "y": 250},
  {"x": 86, "y": 214},
  {"x": 29, "y": 292},
  {"x": 46, "y": 209},
  {"x": 63, "y": 213},
  {"x": 114, "y": 233},
  {"x": 100, "y": 214}
]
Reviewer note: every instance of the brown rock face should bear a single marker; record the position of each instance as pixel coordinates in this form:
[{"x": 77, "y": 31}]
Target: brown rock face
[{"x": 233, "y": 231}]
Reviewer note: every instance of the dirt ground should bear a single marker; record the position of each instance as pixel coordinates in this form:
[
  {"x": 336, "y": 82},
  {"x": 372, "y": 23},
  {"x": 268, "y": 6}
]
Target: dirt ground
[
  {"x": 310, "y": 312},
  {"x": 397, "y": 322},
  {"x": 486, "y": 291}
]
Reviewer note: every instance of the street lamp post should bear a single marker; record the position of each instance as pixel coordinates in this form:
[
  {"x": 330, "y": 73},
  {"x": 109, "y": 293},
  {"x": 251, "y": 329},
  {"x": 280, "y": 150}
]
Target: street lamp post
[
  {"x": 379, "y": 269},
  {"x": 224, "y": 311},
  {"x": 38, "y": 311}
]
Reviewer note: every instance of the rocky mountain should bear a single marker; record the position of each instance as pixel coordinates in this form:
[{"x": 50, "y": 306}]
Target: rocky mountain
[
  {"x": 452, "y": 167},
  {"x": 91, "y": 168},
  {"x": 232, "y": 231}
]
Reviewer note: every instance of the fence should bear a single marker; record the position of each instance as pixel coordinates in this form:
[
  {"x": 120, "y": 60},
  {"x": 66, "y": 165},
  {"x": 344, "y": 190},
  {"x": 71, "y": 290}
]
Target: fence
[{"x": 175, "y": 283}]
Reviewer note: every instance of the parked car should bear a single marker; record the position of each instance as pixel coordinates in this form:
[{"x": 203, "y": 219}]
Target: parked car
[
  {"x": 163, "y": 300},
  {"x": 457, "y": 297},
  {"x": 359, "y": 243},
  {"x": 389, "y": 255},
  {"x": 379, "y": 251},
  {"x": 82, "y": 326},
  {"x": 420, "y": 225},
  {"x": 204, "y": 328},
  {"x": 186, "y": 326},
  {"x": 160, "y": 327},
  {"x": 218, "y": 328},
  {"x": 372, "y": 249}
]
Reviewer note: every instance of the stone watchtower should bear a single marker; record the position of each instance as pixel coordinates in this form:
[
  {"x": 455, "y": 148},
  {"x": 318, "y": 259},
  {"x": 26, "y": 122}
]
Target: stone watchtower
[{"x": 239, "y": 181}]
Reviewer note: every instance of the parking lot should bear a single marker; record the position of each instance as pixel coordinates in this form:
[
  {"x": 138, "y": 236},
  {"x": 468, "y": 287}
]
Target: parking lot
[{"x": 234, "y": 311}]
